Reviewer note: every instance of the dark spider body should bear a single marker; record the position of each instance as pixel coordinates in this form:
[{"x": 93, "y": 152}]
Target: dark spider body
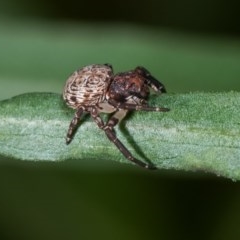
[{"x": 94, "y": 89}]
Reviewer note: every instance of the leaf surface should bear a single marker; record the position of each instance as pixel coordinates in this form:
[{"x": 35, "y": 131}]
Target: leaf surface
[{"x": 201, "y": 132}]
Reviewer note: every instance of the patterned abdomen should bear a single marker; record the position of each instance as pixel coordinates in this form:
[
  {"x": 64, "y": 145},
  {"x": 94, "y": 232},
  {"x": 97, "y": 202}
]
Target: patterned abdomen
[{"x": 88, "y": 85}]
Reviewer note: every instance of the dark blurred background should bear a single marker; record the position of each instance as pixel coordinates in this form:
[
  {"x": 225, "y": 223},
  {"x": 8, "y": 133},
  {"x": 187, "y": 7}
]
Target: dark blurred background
[
  {"x": 209, "y": 16},
  {"x": 192, "y": 45}
]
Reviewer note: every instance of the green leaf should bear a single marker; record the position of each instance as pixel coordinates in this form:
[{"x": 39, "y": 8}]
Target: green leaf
[{"x": 201, "y": 132}]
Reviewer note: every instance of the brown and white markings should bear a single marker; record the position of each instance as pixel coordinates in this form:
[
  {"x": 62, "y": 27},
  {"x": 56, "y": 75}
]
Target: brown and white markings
[
  {"x": 87, "y": 86},
  {"x": 94, "y": 89}
]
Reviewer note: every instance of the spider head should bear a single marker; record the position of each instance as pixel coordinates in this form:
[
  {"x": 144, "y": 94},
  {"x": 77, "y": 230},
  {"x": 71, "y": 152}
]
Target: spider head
[
  {"x": 128, "y": 85},
  {"x": 134, "y": 84}
]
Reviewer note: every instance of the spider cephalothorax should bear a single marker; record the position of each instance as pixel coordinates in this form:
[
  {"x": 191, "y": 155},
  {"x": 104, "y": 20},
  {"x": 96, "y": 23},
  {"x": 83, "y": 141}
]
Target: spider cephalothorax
[
  {"x": 133, "y": 86},
  {"x": 94, "y": 89}
]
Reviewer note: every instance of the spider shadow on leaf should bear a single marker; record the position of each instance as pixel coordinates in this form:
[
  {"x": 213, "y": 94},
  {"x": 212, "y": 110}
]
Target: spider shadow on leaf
[{"x": 130, "y": 139}]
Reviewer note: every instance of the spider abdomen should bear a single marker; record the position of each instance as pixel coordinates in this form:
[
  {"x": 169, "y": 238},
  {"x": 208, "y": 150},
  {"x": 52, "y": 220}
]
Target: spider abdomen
[{"x": 88, "y": 85}]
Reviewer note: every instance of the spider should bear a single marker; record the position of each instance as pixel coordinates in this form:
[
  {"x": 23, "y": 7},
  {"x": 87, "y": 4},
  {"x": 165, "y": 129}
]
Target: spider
[{"x": 94, "y": 89}]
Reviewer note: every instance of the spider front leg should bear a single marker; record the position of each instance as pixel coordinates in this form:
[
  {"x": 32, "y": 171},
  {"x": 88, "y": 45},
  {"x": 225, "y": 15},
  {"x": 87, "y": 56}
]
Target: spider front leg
[
  {"x": 73, "y": 125},
  {"x": 109, "y": 131},
  {"x": 131, "y": 106},
  {"x": 151, "y": 81}
]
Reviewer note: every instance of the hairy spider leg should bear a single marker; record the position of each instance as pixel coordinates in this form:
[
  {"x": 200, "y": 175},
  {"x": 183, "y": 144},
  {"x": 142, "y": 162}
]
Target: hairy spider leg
[
  {"x": 74, "y": 124},
  {"x": 131, "y": 106},
  {"x": 151, "y": 81},
  {"x": 155, "y": 84},
  {"x": 109, "y": 131}
]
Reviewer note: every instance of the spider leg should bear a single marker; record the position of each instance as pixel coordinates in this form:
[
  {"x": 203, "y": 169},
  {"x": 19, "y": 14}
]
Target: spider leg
[
  {"x": 155, "y": 84},
  {"x": 73, "y": 125},
  {"x": 109, "y": 131},
  {"x": 131, "y": 106},
  {"x": 151, "y": 81}
]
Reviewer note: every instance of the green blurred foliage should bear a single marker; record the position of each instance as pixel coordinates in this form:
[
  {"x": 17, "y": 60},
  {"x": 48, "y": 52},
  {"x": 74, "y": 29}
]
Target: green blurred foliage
[
  {"x": 67, "y": 200},
  {"x": 75, "y": 200},
  {"x": 39, "y": 56}
]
